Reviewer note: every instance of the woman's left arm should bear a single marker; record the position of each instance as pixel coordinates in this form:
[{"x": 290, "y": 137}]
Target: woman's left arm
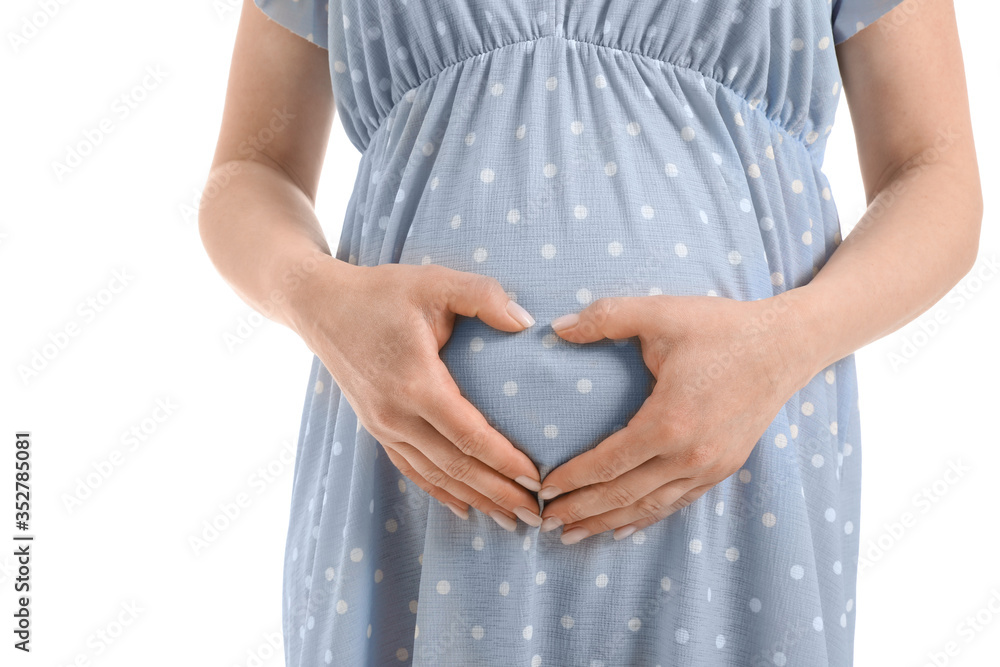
[
  {"x": 905, "y": 84},
  {"x": 904, "y": 80}
]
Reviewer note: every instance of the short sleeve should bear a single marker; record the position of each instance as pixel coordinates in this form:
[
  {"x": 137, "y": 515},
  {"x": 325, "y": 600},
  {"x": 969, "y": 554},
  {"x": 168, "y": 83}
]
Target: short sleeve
[
  {"x": 308, "y": 19},
  {"x": 850, "y": 16}
]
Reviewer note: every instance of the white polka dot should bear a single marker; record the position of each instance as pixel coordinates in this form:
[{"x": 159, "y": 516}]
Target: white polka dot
[
  {"x": 378, "y": 576},
  {"x": 602, "y": 580},
  {"x": 848, "y": 449},
  {"x": 796, "y": 572},
  {"x": 548, "y": 251},
  {"x": 703, "y": 216},
  {"x": 357, "y": 554},
  {"x": 551, "y": 431},
  {"x": 850, "y": 604},
  {"x": 769, "y": 152},
  {"x": 794, "y": 430},
  {"x": 480, "y": 254},
  {"x": 339, "y": 67},
  {"x": 779, "y": 659},
  {"x": 536, "y": 661},
  {"x": 633, "y": 128},
  {"x": 735, "y": 257},
  {"x": 720, "y": 507},
  {"x": 470, "y": 138},
  {"x": 600, "y": 81},
  {"x": 478, "y": 632},
  {"x": 768, "y": 519},
  {"x": 634, "y": 624},
  {"x": 811, "y": 137},
  {"x": 337, "y": 448},
  {"x": 739, "y": 119},
  {"x": 510, "y": 388},
  {"x": 836, "y": 87},
  {"x": 497, "y": 89},
  {"x": 513, "y": 216},
  {"x": 583, "y": 385},
  {"x": 720, "y": 641},
  {"x": 527, "y": 543},
  {"x": 830, "y": 514},
  {"x": 837, "y": 567},
  {"x": 745, "y": 476},
  {"x": 527, "y": 632},
  {"x": 329, "y": 574},
  {"x": 665, "y": 583},
  {"x": 611, "y": 169},
  {"x": 614, "y": 248},
  {"x": 732, "y": 554},
  {"x": 745, "y": 205},
  {"x": 766, "y": 224},
  {"x": 477, "y": 543},
  {"x": 717, "y": 158},
  {"x": 753, "y": 171},
  {"x": 580, "y": 211},
  {"x": 576, "y": 127},
  {"x": 807, "y": 408},
  {"x": 818, "y": 624},
  {"x": 487, "y": 175},
  {"x": 551, "y": 83},
  {"x": 777, "y": 279},
  {"x": 520, "y": 131},
  {"x": 549, "y": 340},
  {"x": 849, "y": 527},
  {"x": 583, "y": 295},
  {"x": 695, "y": 546},
  {"x": 823, "y": 42},
  {"x": 843, "y": 620},
  {"x": 567, "y": 622},
  {"x": 797, "y": 186},
  {"x": 443, "y": 587},
  {"x": 681, "y": 636},
  {"x": 456, "y": 222},
  {"x": 817, "y": 460},
  {"x": 754, "y": 605},
  {"x": 671, "y": 169},
  {"x": 504, "y": 588},
  {"x": 413, "y": 606},
  {"x": 476, "y": 344},
  {"x": 798, "y": 44},
  {"x": 391, "y": 525},
  {"x": 341, "y": 606},
  {"x": 647, "y": 211},
  {"x": 681, "y": 250},
  {"x": 687, "y": 133}
]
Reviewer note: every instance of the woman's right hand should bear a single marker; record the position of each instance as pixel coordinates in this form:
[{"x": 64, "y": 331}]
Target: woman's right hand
[{"x": 379, "y": 330}]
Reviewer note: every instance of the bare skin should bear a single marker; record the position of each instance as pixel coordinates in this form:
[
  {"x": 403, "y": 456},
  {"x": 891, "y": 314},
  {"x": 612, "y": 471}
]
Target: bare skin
[{"x": 906, "y": 90}]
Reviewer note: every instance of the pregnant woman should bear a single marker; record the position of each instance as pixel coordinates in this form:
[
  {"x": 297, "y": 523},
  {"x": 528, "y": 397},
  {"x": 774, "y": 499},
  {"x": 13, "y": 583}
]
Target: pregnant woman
[{"x": 584, "y": 390}]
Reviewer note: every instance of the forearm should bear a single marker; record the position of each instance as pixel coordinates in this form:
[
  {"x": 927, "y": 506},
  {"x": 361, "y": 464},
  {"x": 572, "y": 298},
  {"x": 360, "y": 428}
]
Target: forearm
[
  {"x": 261, "y": 232},
  {"x": 916, "y": 240}
]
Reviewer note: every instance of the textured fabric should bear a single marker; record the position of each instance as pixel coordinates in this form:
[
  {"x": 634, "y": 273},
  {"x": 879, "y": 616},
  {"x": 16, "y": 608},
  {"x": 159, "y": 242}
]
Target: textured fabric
[{"x": 574, "y": 150}]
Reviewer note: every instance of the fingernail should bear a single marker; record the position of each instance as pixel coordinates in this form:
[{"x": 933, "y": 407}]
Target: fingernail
[
  {"x": 462, "y": 514},
  {"x": 549, "y": 492},
  {"x": 527, "y": 516},
  {"x": 527, "y": 482},
  {"x": 575, "y": 535},
  {"x": 551, "y": 523},
  {"x": 624, "y": 532},
  {"x": 519, "y": 313},
  {"x": 565, "y": 321},
  {"x": 505, "y": 521}
]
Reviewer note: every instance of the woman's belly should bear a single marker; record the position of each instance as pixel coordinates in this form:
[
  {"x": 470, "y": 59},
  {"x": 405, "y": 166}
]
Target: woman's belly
[{"x": 565, "y": 199}]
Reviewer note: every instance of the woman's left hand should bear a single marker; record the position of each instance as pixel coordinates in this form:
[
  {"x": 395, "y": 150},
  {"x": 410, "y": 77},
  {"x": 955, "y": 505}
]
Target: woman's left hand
[{"x": 723, "y": 369}]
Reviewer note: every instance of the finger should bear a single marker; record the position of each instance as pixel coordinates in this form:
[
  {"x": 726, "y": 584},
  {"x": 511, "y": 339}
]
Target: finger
[
  {"x": 458, "y": 420},
  {"x": 453, "y": 464},
  {"x": 653, "y": 507},
  {"x": 456, "y": 505},
  {"x": 437, "y": 478},
  {"x": 621, "y": 492},
  {"x": 607, "y": 317},
  {"x": 475, "y": 295},
  {"x": 620, "y": 452}
]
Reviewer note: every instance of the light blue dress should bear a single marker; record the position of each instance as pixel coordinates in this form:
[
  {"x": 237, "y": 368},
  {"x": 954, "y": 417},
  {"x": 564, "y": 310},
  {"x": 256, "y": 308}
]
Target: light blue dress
[{"x": 575, "y": 149}]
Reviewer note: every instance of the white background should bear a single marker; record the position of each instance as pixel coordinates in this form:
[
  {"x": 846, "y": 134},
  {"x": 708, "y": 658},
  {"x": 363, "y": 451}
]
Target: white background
[{"x": 129, "y": 207}]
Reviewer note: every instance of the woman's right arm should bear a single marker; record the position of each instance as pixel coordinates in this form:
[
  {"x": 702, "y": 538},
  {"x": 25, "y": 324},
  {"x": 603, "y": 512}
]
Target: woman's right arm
[{"x": 378, "y": 330}]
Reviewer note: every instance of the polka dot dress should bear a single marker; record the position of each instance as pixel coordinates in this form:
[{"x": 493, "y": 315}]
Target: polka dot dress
[{"x": 574, "y": 150}]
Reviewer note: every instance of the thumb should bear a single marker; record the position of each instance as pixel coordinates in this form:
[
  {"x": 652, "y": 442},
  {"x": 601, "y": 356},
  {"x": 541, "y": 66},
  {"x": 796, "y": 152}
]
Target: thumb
[
  {"x": 607, "y": 317},
  {"x": 475, "y": 295}
]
